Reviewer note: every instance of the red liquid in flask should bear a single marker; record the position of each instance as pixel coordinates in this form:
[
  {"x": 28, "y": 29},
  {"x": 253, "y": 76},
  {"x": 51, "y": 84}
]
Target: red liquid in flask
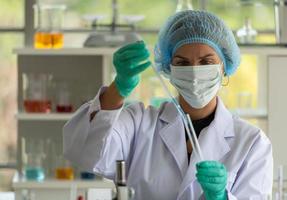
[
  {"x": 37, "y": 106},
  {"x": 64, "y": 108}
]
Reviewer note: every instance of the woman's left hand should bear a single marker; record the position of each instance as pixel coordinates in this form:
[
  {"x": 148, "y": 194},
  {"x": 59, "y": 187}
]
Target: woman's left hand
[{"x": 212, "y": 176}]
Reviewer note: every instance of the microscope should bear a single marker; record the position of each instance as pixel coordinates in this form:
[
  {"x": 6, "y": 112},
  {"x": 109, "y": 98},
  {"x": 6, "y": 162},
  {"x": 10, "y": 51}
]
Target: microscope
[{"x": 123, "y": 192}]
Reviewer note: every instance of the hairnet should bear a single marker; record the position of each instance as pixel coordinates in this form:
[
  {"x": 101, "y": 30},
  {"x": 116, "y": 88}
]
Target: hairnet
[{"x": 188, "y": 27}]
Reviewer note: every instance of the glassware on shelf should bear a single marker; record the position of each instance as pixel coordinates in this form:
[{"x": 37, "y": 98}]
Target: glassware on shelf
[
  {"x": 35, "y": 93},
  {"x": 247, "y": 34},
  {"x": 27, "y": 195},
  {"x": 33, "y": 160},
  {"x": 49, "y": 150},
  {"x": 183, "y": 5},
  {"x": 34, "y": 171},
  {"x": 64, "y": 104},
  {"x": 91, "y": 20},
  {"x": 132, "y": 19},
  {"x": 49, "y": 26},
  {"x": 64, "y": 169},
  {"x": 87, "y": 176},
  {"x": 280, "y": 192}
]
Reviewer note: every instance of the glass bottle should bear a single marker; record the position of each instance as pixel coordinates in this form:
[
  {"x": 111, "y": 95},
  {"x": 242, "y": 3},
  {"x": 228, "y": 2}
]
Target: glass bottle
[
  {"x": 247, "y": 34},
  {"x": 36, "y": 93},
  {"x": 64, "y": 104},
  {"x": 64, "y": 169},
  {"x": 49, "y": 20},
  {"x": 33, "y": 163},
  {"x": 183, "y": 5}
]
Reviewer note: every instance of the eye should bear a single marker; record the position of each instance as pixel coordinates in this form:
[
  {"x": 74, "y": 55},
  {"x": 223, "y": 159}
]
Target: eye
[
  {"x": 182, "y": 63},
  {"x": 207, "y": 62}
]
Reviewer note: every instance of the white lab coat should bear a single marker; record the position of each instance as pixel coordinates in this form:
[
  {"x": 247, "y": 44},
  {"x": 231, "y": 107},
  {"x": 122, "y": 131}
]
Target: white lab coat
[{"x": 152, "y": 142}]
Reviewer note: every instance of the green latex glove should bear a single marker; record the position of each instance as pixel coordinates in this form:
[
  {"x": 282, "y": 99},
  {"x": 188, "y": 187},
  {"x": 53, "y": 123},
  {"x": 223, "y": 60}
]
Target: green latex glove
[
  {"x": 129, "y": 62},
  {"x": 212, "y": 176}
]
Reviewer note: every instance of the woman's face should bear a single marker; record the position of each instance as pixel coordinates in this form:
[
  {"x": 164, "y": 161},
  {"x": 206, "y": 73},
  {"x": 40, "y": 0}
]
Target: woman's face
[{"x": 195, "y": 54}]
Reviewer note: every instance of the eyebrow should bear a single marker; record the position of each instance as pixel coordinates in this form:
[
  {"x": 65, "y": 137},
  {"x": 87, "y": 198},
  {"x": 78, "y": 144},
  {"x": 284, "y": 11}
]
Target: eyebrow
[{"x": 205, "y": 56}]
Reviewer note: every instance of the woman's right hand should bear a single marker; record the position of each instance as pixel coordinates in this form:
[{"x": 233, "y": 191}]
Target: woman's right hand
[{"x": 129, "y": 62}]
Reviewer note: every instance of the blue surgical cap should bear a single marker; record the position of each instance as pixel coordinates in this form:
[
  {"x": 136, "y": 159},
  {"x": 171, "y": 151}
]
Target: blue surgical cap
[{"x": 187, "y": 27}]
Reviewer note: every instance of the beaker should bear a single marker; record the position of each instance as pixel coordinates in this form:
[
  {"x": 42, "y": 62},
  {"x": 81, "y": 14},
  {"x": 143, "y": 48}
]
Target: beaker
[
  {"x": 35, "y": 92},
  {"x": 33, "y": 163},
  {"x": 64, "y": 169},
  {"x": 87, "y": 175},
  {"x": 64, "y": 104},
  {"x": 49, "y": 21},
  {"x": 247, "y": 34},
  {"x": 34, "y": 169}
]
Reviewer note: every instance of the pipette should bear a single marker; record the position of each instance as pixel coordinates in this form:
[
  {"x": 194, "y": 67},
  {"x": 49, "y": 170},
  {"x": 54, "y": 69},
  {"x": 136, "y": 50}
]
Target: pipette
[{"x": 186, "y": 118}]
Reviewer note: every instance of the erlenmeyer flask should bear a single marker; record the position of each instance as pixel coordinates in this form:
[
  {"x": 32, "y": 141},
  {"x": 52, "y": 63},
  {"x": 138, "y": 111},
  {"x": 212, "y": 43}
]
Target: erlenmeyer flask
[
  {"x": 183, "y": 5},
  {"x": 247, "y": 34}
]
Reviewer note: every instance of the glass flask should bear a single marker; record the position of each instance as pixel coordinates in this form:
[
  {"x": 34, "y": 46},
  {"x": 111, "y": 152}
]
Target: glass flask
[
  {"x": 33, "y": 160},
  {"x": 183, "y": 5},
  {"x": 35, "y": 93},
  {"x": 64, "y": 104},
  {"x": 247, "y": 34},
  {"x": 49, "y": 21},
  {"x": 87, "y": 175},
  {"x": 64, "y": 169}
]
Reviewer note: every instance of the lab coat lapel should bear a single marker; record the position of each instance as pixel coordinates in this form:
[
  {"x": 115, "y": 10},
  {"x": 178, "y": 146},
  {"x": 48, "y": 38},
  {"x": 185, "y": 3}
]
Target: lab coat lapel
[
  {"x": 212, "y": 141},
  {"x": 173, "y": 136}
]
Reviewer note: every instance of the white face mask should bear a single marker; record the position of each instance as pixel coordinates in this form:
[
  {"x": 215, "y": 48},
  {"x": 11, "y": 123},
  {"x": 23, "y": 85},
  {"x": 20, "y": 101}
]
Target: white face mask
[{"x": 197, "y": 84}]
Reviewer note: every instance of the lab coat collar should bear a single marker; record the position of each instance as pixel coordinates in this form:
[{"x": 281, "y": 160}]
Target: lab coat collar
[
  {"x": 212, "y": 140},
  {"x": 173, "y": 136},
  {"x": 222, "y": 119},
  {"x": 169, "y": 113}
]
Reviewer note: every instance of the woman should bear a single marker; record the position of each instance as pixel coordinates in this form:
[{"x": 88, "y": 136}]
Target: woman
[{"x": 195, "y": 50}]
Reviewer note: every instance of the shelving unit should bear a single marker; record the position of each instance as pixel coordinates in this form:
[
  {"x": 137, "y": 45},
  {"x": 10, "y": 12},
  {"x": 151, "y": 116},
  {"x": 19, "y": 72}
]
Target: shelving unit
[
  {"x": 43, "y": 117},
  {"x": 85, "y": 70}
]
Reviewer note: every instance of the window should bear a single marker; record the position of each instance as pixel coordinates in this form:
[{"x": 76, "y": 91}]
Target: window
[
  {"x": 235, "y": 12},
  {"x": 11, "y": 36},
  {"x": 11, "y": 13}
]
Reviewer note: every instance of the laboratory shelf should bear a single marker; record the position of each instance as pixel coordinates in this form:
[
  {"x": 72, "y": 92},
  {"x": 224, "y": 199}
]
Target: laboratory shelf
[
  {"x": 65, "y": 51},
  {"x": 44, "y": 116},
  {"x": 57, "y": 184},
  {"x": 62, "y": 184},
  {"x": 250, "y": 113},
  {"x": 264, "y": 50}
]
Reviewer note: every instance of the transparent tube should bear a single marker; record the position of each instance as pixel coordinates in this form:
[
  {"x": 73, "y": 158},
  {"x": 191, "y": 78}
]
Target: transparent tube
[{"x": 186, "y": 119}]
